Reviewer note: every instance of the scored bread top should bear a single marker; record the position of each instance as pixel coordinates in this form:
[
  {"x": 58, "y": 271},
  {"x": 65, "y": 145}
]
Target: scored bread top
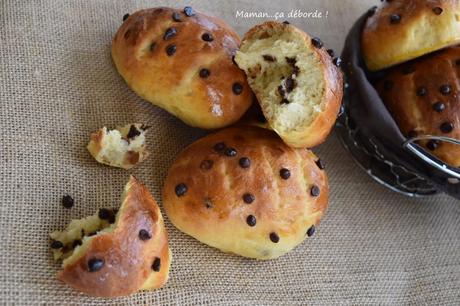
[
  {"x": 244, "y": 191},
  {"x": 181, "y": 60},
  {"x": 295, "y": 80},
  {"x": 401, "y": 30},
  {"x": 423, "y": 97}
]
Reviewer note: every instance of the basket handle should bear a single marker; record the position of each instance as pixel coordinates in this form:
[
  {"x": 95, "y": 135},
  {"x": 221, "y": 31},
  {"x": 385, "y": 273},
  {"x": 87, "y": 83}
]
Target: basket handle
[{"x": 429, "y": 158}]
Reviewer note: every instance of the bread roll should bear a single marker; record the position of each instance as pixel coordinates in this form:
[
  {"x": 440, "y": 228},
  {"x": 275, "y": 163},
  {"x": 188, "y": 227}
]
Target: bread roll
[
  {"x": 123, "y": 147},
  {"x": 423, "y": 97},
  {"x": 296, "y": 83},
  {"x": 401, "y": 30},
  {"x": 181, "y": 60},
  {"x": 112, "y": 254},
  {"x": 244, "y": 191}
]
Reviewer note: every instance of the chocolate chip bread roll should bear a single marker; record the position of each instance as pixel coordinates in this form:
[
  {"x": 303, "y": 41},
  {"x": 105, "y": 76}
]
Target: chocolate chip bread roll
[
  {"x": 296, "y": 81},
  {"x": 424, "y": 99},
  {"x": 115, "y": 254},
  {"x": 244, "y": 191},
  {"x": 401, "y": 30},
  {"x": 181, "y": 61}
]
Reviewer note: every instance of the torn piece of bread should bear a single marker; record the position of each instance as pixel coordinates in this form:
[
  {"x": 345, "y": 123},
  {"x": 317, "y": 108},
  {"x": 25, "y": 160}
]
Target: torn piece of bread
[
  {"x": 123, "y": 147},
  {"x": 116, "y": 253},
  {"x": 297, "y": 83}
]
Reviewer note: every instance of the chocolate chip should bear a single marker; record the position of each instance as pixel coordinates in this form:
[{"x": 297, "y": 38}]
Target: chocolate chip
[
  {"x": 337, "y": 61},
  {"x": 144, "y": 235},
  {"x": 206, "y": 164},
  {"x": 180, "y": 189},
  {"x": 314, "y": 191},
  {"x": 291, "y": 60},
  {"x": 204, "y": 73},
  {"x": 286, "y": 22},
  {"x": 95, "y": 264},
  {"x": 447, "y": 127},
  {"x": 274, "y": 237},
  {"x": 133, "y": 132},
  {"x": 171, "y": 49},
  {"x": 170, "y": 33},
  {"x": 457, "y": 62},
  {"x": 281, "y": 91},
  {"x": 244, "y": 162},
  {"x": 269, "y": 58},
  {"x": 330, "y": 52},
  {"x": 439, "y": 107},
  {"x": 248, "y": 198},
  {"x": 56, "y": 244},
  {"x": 67, "y": 201},
  {"x": 156, "y": 265},
  {"x": 285, "y": 173},
  {"x": 421, "y": 91},
  {"x": 317, "y": 42},
  {"x": 311, "y": 231},
  {"x": 290, "y": 84},
  {"x": 320, "y": 164},
  {"x": 295, "y": 70},
  {"x": 104, "y": 213},
  {"x": 125, "y": 16},
  {"x": 237, "y": 88},
  {"x": 437, "y": 10},
  {"x": 152, "y": 46},
  {"x": 219, "y": 147},
  {"x": 432, "y": 144},
  {"x": 76, "y": 243},
  {"x": 445, "y": 89},
  {"x": 230, "y": 152},
  {"x": 207, "y": 37},
  {"x": 387, "y": 85},
  {"x": 285, "y": 101},
  {"x": 395, "y": 18},
  {"x": 251, "y": 220},
  {"x": 208, "y": 203},
  {"x": 188, "y": 11},
  {"x": 176, "y": 17}
]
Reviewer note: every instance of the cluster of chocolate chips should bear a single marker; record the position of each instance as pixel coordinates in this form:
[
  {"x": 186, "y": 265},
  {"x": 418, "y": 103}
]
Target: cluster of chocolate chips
[
  {"x": 289, "y": 83},
  {"x": 248, "y": 198}
]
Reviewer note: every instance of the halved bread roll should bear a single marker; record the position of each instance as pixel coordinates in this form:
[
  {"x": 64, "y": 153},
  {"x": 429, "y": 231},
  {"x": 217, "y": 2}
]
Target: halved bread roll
[
  {"x": 123, "y": 147},
  {"x": 114, "y": 254},
  {"x": 297, "y": 83}
]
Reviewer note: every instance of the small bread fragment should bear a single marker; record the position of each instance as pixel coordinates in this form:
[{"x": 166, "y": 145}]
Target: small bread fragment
[
  {"x": 123, "y": 147},
  {"x": 116, "y": 253},
  {"x": 244, "y": 191},
  {"x": 296, "y": 81}
]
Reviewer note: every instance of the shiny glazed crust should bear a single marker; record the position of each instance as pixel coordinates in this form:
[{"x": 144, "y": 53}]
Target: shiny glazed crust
[
  {"x": 127, "y": 259},
  {"x": 214, "y": 208},
  {"x": 424, "y": 26},
  {"x": 173, "y": 82},
  {"x": 416, "y": 95}
]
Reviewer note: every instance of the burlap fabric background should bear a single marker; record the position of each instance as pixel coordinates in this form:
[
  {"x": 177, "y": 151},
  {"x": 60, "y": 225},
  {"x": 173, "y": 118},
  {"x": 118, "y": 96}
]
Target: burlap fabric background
[{"x": 58, "y": 84}]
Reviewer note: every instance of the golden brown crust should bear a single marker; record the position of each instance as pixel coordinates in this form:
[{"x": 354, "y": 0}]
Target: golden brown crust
[
  {"x": 401, "y": 30},
  {"x": 174, "y": 82},
  {"x": 317, "y": 132},
  {"x": 127, "y": 259},
  {"x": 414, "y": 95},
  {"x": 213, "y": 208}
]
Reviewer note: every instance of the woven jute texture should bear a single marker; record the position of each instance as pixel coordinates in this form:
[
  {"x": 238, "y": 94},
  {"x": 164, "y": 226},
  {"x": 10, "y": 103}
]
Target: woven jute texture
[{"x": 58, "y": 84}]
